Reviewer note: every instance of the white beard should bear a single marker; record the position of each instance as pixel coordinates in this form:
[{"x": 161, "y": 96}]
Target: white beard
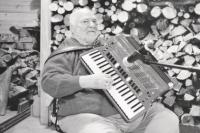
[{"x": 86, "y": 39}]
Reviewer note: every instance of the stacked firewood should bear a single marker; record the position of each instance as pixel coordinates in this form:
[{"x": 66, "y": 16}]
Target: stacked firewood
[
  {"x": 168, "y": 29},
  {"x": 18, "y": 50}
]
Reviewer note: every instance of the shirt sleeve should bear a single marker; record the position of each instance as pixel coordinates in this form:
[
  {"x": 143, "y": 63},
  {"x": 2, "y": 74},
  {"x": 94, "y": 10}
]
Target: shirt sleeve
[{"x": 57, "y": 79}]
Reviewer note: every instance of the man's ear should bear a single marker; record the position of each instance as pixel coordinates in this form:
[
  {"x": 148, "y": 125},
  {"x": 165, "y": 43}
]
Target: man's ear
[{"x": 72, "y": 28}]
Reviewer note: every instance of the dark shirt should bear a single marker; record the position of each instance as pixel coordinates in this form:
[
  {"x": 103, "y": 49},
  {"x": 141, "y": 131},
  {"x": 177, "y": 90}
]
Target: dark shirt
[{"x": 60, "y": 79}]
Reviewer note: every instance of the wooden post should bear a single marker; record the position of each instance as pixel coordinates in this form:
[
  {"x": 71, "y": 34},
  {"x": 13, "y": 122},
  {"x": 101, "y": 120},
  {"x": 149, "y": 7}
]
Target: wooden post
[{"x": 45, "y": 36}]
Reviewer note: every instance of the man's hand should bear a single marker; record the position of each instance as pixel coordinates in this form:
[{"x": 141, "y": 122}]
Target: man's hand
[{"x": 96, "y": 81}]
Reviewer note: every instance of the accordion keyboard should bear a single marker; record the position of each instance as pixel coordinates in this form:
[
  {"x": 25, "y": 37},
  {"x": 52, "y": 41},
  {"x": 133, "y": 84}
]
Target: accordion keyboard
[
  {"x": 120, "y": 91},
  {"x": 134, "y": 88}
]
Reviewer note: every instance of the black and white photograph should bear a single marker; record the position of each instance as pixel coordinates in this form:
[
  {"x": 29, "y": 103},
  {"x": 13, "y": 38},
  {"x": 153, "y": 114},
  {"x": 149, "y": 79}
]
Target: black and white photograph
[{"x": 99, "y": 66}]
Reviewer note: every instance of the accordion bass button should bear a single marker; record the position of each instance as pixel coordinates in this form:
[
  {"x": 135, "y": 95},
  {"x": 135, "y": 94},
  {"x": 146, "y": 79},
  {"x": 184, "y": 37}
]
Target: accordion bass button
[
  {"x": 128, "y": 79},
  {"x": 117, "y": 65},
  {"x": 171, "y": 85}
]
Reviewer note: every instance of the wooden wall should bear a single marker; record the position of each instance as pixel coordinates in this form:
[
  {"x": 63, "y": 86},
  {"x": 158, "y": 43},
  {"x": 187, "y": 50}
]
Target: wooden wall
[{"x": 23, "y": 13}]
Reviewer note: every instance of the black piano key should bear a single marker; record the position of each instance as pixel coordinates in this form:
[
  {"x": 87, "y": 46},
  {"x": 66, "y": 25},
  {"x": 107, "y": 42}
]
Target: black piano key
[
  {"x": 132, "y": 100},
  {"x": 117, "y": 82},
  {"x": 98, "y": 58},
  {"x": 107, "y": 69},
  {"x": 126, "y": 76},
  {"x": 125, "y": 93},
  {"x": 98, "y": 55},
  {"x": 122, "y": 89},
  {"x": 129, "y": 97},
  {"x": 110, "y": 71},
  {"x": 122, "y": 86},
  {"x": 100, "y": 66},
  {"x": 116, "y": 78},
  {"x": 138, "y": 108},
  {"x": 114, "y": 73},
  {"x": 93, "y": 53},
  {"x": 101, "y": 62},
  {"x": 135, "y": 105}
]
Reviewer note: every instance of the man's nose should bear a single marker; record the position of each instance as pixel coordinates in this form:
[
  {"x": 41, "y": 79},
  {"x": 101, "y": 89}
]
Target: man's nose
[{"x": 92, "y": 24}]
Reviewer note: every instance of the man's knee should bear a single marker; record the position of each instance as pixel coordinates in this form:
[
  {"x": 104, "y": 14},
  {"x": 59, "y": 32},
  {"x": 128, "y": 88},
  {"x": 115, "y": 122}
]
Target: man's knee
[
  {"x": 172, "y": 117},
  {"x": 98, "y": 127},
  {"x": 169, "y": 121}
]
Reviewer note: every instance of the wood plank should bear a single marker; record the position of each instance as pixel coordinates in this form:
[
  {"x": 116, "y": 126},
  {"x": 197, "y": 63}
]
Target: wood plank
[
  {"x": 45, "y": 35},
  {"x": 20, "y": 2},
  {"x": 17, "y": 16},
  {"x": 18, "y": 9},
  {"x": 19, "y": 22}
]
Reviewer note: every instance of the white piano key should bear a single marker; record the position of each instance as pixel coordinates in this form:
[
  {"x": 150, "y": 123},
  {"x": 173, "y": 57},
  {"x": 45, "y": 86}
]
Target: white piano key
[
  {"x": 140, "y": 110},
  {"x": 106, "y": 67},
  {"x": 102, "y": 64},
  {"x": 100, "y": 60},
  {"x": 97, "y": 58},
  {"x": 123, "y": 87},
  {"x": 115, "y": 76},
  {"x": 117, "y": 80},
  {"x": 93, "y": 52},
  {"x": 130, "y": 99},
  {"x": 133, "y": 103},
  {"x": 91, "y": 64},
  {"x": 119, "y": 84},
  {"x": 128, "y": 95},
  {"x": 129, "y": 113},
  {"x": 96, "y": 54},
  {"x": 137, "y": 106},
  {"x": 120, "y": 100}
]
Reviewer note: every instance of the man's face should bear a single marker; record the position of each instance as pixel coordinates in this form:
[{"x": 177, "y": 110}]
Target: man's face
[{"x": 86, "y": 27}]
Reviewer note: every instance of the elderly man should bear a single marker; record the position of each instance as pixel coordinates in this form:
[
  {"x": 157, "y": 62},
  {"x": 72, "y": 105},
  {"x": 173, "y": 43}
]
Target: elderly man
[{"x": 83, "y": 107}]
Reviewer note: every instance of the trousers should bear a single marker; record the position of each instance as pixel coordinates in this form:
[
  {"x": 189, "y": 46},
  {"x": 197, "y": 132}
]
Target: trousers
[{"x": 157, "y": 119}]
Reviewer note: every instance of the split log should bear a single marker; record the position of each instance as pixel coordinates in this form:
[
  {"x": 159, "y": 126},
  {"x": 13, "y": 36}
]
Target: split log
[
  {"x": 142, "y": 8},
  {"x": 7, "y": 58},
  {"x": 189, "y": 60},
  {"x": 188, "y": 49},
  {"x": 169, "y": 12},
  {"x": 30, "y": 82},
  {"x": 177, "y": 31},
  {"x": 83, "y": 2},
  {"x": 187, "y": 119},
  {"x": 162, "y": 24},
  {"x": 53, "y": 6},
  {"x": 184, "y": 74},
  {"x": 169, "y": 101},
  {"x": 61, "y": 10},
  {"x": 195, "y": 110},
  {"x": 186, "y": 15},
  {"x": 32, "y": 74},
  {"x": 188, "y": 97},
  {"x": 123, "y": 16},
  {"x": 178, "y": 110},
  {"x": 128, "y": 5},
  {"x": 2, "y": 63},
  {"x": 155, "y": 11},
  {"x": 56, "y": 18},
  {"x": 197, "y": 9}
]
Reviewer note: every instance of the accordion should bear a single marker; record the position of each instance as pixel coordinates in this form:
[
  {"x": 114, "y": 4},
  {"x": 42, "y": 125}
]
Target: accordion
[{"x": 134, "y": 88}]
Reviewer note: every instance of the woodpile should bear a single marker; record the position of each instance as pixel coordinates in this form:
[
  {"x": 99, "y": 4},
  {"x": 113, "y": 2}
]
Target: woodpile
[
  {"x": 168, "y": 29},
  {"x": 20, "y": 52}
]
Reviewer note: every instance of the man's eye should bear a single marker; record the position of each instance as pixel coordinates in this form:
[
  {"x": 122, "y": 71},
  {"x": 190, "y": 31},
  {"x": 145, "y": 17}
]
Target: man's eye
[
  {"x": 94, "y": 21},
  {"x": 85, "y": 22}
]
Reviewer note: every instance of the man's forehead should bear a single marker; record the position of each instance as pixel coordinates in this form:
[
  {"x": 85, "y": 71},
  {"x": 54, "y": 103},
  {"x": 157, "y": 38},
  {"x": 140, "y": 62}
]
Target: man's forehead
[{"x": 88, "y": 15}]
